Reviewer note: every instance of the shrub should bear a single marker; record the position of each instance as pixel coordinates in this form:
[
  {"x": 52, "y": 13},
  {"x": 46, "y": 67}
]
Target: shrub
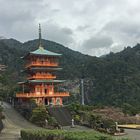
[
  {"x": 52, "y": 121},
  {"x": 108, "y": 123},
  {"x": 77, "y": 118},
  {"x": 94, "y": 121},
  {"x": 62, "y": 135},
  {"x": 77, "y": 107},
  {"x": 39, "y": 115},
  {"x": 122, "y": 130},
  {"x": 1, "y": 125},
  {"x": 1, "y": 108}
]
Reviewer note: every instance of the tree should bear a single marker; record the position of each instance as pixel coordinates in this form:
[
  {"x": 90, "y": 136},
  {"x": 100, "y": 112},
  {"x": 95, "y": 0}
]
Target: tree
[{"x": 39, "y": 115}]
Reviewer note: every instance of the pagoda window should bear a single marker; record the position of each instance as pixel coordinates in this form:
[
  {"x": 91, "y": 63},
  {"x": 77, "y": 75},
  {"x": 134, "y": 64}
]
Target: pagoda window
[
  {"x": 51, "y": 60},
  {"x": 51, "y": 89},
  {"x": 42, "y": 61},
  {"x": 47, "y": 59},
  {"x": 46, "y": 90},
  {"x": 38, "y": 89}
]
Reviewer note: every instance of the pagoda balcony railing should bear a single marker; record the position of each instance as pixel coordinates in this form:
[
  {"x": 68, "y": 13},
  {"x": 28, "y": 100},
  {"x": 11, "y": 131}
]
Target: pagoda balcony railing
[
  {"x": 32, "y": 95},
  {"x": 42, "y": 64},
  {"x": 42, "y": 77}
]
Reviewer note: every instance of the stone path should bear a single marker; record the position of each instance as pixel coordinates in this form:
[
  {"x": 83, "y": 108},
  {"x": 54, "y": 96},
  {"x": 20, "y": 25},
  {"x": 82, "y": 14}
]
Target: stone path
[
  {"x": 133, "y": 134},
  {"x": 13, "y": 123}
]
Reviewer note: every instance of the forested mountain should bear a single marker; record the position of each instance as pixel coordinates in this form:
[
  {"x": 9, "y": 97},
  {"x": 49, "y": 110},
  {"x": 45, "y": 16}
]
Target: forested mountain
[{"x": 110, "y": 80}]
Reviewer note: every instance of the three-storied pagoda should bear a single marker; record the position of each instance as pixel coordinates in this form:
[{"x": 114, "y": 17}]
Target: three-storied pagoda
[{"x": 40, "y": 67}]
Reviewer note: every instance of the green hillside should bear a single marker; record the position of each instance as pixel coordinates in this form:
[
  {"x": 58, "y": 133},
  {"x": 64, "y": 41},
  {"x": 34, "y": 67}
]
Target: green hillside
[{"x": 110, "y": 80}]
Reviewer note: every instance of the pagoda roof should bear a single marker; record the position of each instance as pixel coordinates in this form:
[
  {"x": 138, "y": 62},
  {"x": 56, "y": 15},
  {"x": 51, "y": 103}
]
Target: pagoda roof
[
  {"x": 42, "y": 51},
  {"x": 46, "y": 81},
  {"x": 45, "y": 68},
  {"x": 42, "y": 69},
  {"x": 42, "y": 81}
]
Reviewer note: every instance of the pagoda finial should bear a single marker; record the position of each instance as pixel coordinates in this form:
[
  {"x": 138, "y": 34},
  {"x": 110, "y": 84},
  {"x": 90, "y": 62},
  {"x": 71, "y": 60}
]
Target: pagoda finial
[{"x": 40, "y": 39}]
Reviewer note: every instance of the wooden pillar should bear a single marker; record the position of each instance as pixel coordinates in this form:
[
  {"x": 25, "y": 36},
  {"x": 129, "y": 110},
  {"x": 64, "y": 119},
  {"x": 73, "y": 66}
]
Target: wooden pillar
[
  {"x": 42, "y": 88},
  {"x": 54, "y": 101},
  {"x": 48, "y": 101},
  {"x": 23, "y": 88},
  {"x": 43, "y": 101},
  {"x": 61, "y": 102}
]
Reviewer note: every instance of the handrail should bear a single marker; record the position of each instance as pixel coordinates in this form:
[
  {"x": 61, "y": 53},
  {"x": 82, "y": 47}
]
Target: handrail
[
  {"x": 42, "y": 77},
  {"x": 42, "y": 64},
  {"x": 30, "y": 95}
]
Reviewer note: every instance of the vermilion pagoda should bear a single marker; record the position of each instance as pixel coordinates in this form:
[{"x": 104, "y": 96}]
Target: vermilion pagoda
[{"x": 40, "y": 66}]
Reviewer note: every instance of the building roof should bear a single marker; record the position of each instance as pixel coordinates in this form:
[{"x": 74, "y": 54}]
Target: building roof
[
  {"x": 41, "y": 69},
  {"x": 46, "y": 81},
  {"x": 46, "y": 68},
  {"x": 42, "y": 81},
  {"x": 42, "y": 51}
]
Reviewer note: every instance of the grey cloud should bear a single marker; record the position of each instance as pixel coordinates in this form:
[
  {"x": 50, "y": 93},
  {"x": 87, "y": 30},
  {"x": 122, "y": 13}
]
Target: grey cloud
[
  {"x": 82, "y": 27},
  {"x": 126, "y": 27},
  {"x": 102, "y": 25},
  {"x": 18, "y": 18},
  {"x": 97, "y": 42},
  {"x": 58, "y": 34},
  {"x": 67, "y": 31}
]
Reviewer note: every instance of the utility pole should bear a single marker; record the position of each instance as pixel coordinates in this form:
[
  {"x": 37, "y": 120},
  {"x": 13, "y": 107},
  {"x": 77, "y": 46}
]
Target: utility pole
[{"x": 82, "y": 91}]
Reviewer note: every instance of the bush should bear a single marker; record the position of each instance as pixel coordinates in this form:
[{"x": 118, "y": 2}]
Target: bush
[
  {"x": 94, "y": 121},
  {"x": 76, "y": 118},
  {"x": 1, "y": 108},
  {"x": 122, "y": 130},
  {"x": 39, "y": 115},
  {"x": 1, "y": 125},
  {"x": 52, "y": 121},
  {"x": 129, "y": 109},
  {"x": 77, "y": 107},
  {"x": 62, "y": 135},
  {"x": 108, "y": 123}
]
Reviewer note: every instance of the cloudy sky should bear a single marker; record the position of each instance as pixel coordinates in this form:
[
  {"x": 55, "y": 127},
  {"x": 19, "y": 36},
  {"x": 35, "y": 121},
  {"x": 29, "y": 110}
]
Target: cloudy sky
[{"x": 93, "y": 27}]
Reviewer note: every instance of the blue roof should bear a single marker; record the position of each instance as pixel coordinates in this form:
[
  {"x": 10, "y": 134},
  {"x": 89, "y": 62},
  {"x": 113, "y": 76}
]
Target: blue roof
[
  {"x": 42, "y": 51},
  {"x": 46, "y": 81},
  {"x": 42, "y": 81}
]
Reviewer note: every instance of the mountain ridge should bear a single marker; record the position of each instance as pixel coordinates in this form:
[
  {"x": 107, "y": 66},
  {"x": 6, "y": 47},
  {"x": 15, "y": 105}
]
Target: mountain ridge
[{"x": 112, "y": 80}]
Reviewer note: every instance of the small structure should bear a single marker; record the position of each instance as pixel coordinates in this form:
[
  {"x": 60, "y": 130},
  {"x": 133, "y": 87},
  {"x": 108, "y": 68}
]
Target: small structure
[
  {"x": 72, "y": 123},
  {"x": 40, "y": 66},
  {"x": 2, "y": 67},
  {"x": 116, "y": 125}
]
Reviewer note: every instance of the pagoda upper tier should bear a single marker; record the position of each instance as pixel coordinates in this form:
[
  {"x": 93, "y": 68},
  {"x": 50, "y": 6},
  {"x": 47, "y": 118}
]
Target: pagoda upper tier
[
  {"x": 41, "y": 51},
  {"x": 41, "y": 58}
]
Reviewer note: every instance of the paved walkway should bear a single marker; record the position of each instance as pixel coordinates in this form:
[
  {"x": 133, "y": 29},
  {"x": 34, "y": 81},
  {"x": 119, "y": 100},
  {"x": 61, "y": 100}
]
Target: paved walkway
[
  {"x": 133, "y": 134},
  {"x": 13, "y": 123}
]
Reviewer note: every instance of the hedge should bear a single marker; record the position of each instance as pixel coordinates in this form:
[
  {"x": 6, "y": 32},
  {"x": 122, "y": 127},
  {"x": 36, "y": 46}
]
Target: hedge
[{"x": 62, "y": 135}]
